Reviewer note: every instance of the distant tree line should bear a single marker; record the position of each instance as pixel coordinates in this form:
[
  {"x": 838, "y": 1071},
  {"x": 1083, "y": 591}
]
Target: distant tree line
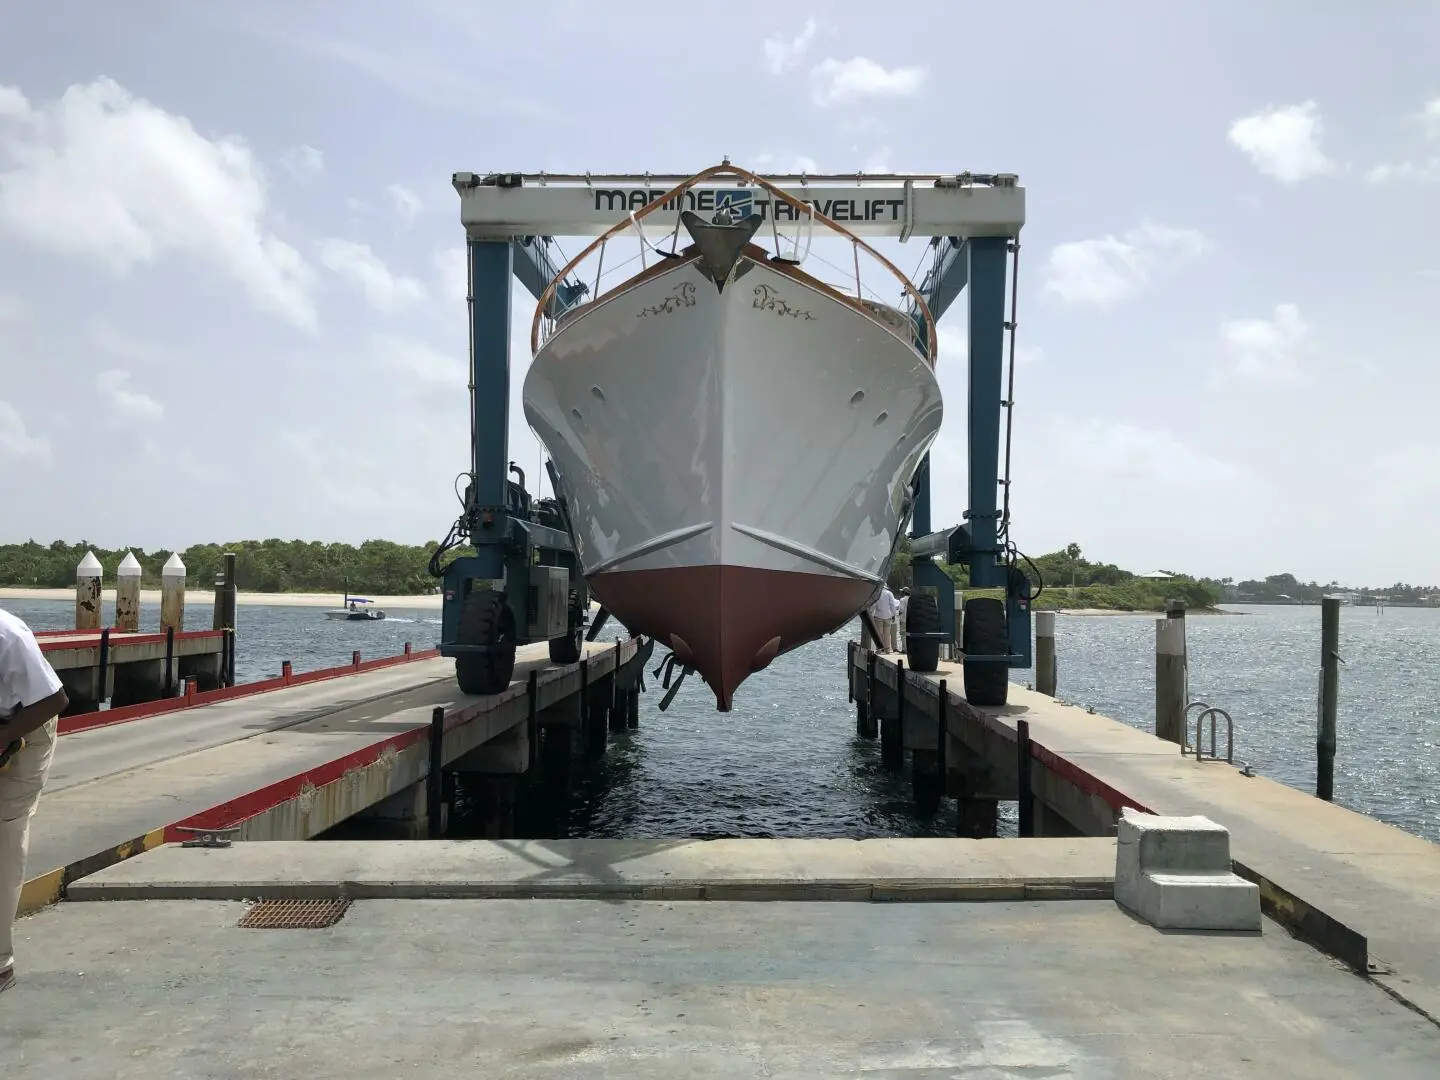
[
  {"x": 377, "y": 566},
  {"x": 384, "y": 567},
  {"x": 1287, "y": 589},
  {"x": 1072, "y": 581}
]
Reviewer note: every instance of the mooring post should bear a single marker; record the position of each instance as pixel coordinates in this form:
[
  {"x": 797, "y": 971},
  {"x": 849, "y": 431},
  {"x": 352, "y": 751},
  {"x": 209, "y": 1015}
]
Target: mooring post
[
  {"x": 225, "y": 590},
  {"x": 102, "y": 667},
  {"x": 172, "y": 594},
  {"x": 435, "y": 779},
  {"x": 892, "y": 726},
  {"x": 169, "y": 675},
  {"x": 1024, "y": 795},
  {"x": 1329, "y": 697},
  {"x": 1045, "y": 652},
  {"x": 89, "y": 577},
  {"x": 127, "y": 593},
  {"x": 867, "y": 717},
  {"x": 1170, "y": 675}
]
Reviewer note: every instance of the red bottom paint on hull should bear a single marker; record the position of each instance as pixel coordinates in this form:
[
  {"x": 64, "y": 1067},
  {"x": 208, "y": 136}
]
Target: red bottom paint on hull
[{"x": 728, "y": 622}]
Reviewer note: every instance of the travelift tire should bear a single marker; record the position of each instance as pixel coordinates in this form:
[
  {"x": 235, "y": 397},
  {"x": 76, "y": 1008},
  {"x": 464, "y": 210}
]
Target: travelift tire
[
  {"x": 984, "y": 634},
  {"x": 486, "y": 619}
]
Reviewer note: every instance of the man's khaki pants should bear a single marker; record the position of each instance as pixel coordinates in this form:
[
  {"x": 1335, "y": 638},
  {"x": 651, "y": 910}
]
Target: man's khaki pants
[{"x": 20, "y": 785}]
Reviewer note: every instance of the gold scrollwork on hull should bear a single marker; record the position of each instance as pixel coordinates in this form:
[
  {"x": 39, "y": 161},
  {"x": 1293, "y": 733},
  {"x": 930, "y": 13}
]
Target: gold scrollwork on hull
[
  {"x": 683, "y": 295},
  {"x": 766, "y": 299}
]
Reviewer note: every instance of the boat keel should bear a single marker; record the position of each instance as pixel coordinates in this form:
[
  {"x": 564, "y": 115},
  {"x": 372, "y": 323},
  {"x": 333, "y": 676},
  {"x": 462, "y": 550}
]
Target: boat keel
[{"x": 728, "y": 622}]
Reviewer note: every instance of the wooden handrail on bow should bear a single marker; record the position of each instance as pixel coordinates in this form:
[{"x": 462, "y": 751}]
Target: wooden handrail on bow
[{"x": 805, "y": 210}]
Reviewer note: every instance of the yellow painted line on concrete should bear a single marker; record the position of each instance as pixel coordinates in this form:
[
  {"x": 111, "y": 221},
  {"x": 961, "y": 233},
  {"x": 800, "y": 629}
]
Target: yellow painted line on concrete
[{"x": 49, "y": 888}]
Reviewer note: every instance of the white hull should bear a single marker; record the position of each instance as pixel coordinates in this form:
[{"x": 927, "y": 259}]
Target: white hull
[{"x": 768, "y": 426}]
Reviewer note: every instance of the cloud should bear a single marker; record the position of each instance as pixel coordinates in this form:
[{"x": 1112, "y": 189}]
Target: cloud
[
  {"x": 107, "y": 337},
  {"x": 349, "y": 478},
  {"x": 13, "y": 310},
  {"x": 1284, "y": 142},
  {"x": 784, "y": 163},
  {"x": 1424, "y": 169},
  {"x": 16, "y": 442},
  {"x": 304, "y": 163},
  {"x": 784, "y": 54},
  {"x": 103, "y": 175},
  {"x": 1267, "y": 351},
  {"x": 953, "y": 347},
  {"x": 452, "y": 271},
  {"x": 127, "y": 402},
  {"x": 1106, "y": 270},
  {"x": 841, "y": 82},
  {"x": 1095, "y": 450},
  {"x": 406, "y": 203},
  {"x": 359, "y": 265},
  {"x": 426, "y": 367}
]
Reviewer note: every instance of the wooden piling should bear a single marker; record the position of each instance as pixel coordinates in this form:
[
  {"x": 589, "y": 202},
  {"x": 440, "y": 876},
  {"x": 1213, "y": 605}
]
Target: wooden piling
[
  {"x": 89, "y": 580},
  {"x": 172, "y": 594},
  {"x": 1170, "y": 686},
  {"x": 1329, "y": 697},
  {"x": 225, "y": 591},
  {"x": 1045, "y": 652},
  {"x": 127, "y": 593}
]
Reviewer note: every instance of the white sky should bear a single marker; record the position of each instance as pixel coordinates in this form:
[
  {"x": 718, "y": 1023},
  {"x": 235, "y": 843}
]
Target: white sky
[{"x": 231, "y": 288}]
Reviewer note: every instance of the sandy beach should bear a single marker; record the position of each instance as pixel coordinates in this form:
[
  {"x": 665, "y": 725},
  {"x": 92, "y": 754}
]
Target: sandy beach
[{"x": 424, "y": 602}]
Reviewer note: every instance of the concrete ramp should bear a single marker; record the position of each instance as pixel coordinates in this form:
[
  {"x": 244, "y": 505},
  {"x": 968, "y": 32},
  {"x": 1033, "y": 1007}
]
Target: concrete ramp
[{"x": 860, "y": 870}]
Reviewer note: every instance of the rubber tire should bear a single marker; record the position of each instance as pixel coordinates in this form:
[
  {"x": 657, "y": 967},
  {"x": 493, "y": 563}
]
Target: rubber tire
[
  {"x": 922, "y": 615},
  {"x": 485, "y": 619},
  {"x": 984, "y": 634},
  {"x": 568, "y": 649}
]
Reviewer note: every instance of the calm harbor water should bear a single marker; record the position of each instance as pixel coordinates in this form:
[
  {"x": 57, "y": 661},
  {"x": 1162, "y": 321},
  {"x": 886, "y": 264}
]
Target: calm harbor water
[{"x": 786, "y": 761}]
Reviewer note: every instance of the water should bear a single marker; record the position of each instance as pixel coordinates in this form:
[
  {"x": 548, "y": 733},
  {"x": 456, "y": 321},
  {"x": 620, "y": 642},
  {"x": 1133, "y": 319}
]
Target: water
[{"x": 786, "y": 762}]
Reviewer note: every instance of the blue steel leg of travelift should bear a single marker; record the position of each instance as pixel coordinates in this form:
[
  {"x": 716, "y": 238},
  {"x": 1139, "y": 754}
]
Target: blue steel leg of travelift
[
  {"x": 491, "y": 266},
  {"x": 989, "y": 258},
  {"x": 926, "y": 574}
]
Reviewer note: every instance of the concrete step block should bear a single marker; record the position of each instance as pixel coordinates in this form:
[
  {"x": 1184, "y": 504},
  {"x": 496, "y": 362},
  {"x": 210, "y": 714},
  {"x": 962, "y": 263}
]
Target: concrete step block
[
  {"x": 1173, "y": 843},
  {"x": 1174, "y": 872}
]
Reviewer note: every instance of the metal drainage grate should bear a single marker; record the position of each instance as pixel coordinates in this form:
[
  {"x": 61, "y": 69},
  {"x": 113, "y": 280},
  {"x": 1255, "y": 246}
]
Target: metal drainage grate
[{"x": 294, "y": 914}]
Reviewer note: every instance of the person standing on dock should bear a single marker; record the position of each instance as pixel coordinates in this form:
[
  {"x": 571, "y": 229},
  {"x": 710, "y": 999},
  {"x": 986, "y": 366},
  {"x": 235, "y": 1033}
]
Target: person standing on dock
[
  {"x": 882, "y": 613},
  {"x": 31, "y": 701}
]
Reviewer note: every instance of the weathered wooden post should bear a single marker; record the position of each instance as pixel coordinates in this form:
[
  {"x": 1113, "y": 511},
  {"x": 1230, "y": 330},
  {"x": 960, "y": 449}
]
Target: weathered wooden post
[
  {"x": 225, "y": 590},
  {"x": 1170, "y": 675},
  {"x": 172, "y": 594},
  {"x": 127, "y": 593},
  {"x": 1329, "y": 697},
  {"x": 1045, "y": 652},
  {"x": 89, "y": 580}
]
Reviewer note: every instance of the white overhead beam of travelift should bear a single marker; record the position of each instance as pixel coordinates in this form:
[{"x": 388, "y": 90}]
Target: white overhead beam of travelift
[{"x": 496, "y": 206}]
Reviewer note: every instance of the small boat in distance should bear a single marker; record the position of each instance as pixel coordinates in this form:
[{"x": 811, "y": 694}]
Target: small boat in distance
[{"x": 356, "y": 609}]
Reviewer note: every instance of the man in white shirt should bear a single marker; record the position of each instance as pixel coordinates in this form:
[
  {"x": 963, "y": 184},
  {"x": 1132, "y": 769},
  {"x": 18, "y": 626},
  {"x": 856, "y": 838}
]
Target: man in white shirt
[
  {"x": 31, "y": 701},
  {"x": 882, "y": 613}
]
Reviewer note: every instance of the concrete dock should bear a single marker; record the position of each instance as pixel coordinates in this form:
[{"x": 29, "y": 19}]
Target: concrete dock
[
  {"x": 292, "y": 762},
  {"x": 1362, "y": 891},
  {"x": 612, "y": 986},
  {"x": 130, "y": 667}
]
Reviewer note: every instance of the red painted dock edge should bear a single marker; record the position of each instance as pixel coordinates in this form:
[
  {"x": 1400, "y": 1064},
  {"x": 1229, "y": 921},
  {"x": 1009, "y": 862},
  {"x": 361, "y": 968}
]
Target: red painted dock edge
[
  {"x": 191, "y": 699},
  {"x": 240, "y": 809},
  {"x": 1058, "y": 764},
  {"x": 88, "y": 639}
]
